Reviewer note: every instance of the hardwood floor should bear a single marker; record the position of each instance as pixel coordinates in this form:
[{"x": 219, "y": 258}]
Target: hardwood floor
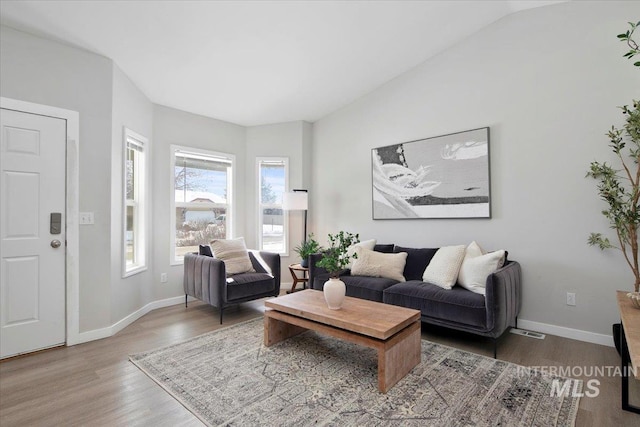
[{"x": 95, "y": 384}]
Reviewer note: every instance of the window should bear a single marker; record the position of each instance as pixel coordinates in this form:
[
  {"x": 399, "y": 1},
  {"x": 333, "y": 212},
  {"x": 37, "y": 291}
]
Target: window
[
  {"x": 273, "y": 179},
  {"x": 134, "y": 203},
  {"x": 201, "y": 197}
]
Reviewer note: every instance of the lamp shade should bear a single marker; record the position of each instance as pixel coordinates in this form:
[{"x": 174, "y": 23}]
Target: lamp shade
[{"x": 295, "y": 201}]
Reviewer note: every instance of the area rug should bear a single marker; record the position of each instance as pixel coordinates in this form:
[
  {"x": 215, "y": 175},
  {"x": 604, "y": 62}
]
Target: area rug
[{"x": 228, "y": 377}]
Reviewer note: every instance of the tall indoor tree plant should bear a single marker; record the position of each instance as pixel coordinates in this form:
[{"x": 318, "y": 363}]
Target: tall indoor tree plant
[{"x": 620, "y": 188}]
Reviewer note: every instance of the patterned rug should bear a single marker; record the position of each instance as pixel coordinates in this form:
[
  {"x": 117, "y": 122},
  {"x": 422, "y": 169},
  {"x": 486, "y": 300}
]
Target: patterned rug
[{"x": 228, "y": 377}]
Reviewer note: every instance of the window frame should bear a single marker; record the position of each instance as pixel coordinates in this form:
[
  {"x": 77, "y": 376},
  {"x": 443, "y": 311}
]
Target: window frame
[
  {"x": 139, "y": 203},
  {"x": 261, "y": 206},
  {"x": 231, "y": 198}
]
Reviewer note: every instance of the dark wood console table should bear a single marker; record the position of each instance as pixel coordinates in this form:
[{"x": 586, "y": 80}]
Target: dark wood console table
[{"x": 629, "y": 346}]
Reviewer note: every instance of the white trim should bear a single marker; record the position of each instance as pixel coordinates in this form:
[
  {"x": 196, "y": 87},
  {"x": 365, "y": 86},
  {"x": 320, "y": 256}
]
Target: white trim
[
  {"x": 97, "y": 334},
  {"x": 231, "y": 198},
  {"x": 545, "y": 328},
  {"x": 141, "y": 198},
  {"x": 72, "y": 212},
  {"x": 561, "y": 331},
  {"x": 134, "y": 271}
]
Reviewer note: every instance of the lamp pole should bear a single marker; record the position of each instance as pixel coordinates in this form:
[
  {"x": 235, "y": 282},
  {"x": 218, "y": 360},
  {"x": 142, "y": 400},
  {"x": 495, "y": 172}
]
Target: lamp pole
[{"x": 305, "y": 212}]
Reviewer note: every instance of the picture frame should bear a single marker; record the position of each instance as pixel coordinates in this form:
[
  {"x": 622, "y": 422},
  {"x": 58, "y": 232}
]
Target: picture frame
[{"x": 445, "y": 176}]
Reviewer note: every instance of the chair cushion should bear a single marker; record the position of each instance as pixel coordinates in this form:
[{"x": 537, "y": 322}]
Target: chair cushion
[
  {"x": 249, "y": 284},
  {"x": 205, "y": 250},
  {"x": 234, "y": 254},
  {"x": 455, "y": 305},
  {"x": 417, "y": 261}
]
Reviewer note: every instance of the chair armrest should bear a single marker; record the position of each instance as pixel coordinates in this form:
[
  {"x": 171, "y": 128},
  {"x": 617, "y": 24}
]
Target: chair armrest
[
  {"x": 267, "y": 262},
  {"x": 205, "y": 278},
  {"x": 502, "y": 297}
]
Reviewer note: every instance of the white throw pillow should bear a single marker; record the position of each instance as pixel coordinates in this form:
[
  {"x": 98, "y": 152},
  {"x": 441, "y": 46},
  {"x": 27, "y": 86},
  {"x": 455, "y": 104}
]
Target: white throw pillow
[
  {"x": 367, "y": 244},
  {"x": 378, "y": 264},
  {"x": 477, "y": 266},
  {"x": 444, "y": 266},
  {"x": 234, "y": 254}
]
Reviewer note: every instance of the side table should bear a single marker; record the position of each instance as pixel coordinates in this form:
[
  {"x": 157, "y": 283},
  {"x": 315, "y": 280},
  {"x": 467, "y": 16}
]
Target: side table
[
  {"x": 294, "y": 268},
  {"x": 629, "y": 347}
]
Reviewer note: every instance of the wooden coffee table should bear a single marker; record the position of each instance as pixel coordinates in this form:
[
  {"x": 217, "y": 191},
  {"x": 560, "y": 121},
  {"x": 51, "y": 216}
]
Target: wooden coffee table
[{"x": 393, "y": 331}]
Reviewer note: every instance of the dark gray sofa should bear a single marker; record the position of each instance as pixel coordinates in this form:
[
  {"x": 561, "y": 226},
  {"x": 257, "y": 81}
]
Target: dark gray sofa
[{"x": 488, "y": 315}]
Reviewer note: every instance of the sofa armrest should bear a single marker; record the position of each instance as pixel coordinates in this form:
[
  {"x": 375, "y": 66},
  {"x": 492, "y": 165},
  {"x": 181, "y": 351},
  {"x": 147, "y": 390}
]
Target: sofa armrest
[
  {"x": 267, "y": 262},
  {"x": 315, "y": 271},
  {"x": 205, "y": 278},
  {"x": 502, "y": 297}
]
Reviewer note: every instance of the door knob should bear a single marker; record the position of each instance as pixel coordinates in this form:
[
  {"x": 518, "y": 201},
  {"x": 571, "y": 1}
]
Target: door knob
[{"x": 55, "y": 243}]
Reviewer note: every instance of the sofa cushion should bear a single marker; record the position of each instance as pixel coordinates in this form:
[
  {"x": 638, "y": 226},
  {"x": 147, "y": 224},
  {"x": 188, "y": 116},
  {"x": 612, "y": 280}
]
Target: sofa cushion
[
  {"x": 456, "y": 305},
  {"x": 249, "y": 284},
  {"x": 370, "y": 288},
  {"x": 319, "y": 280},
  {"x": 477, "y": 266},
  {"x": 367, "y": 244},
  {"x": 385, "y": 249},
  {"x": 417, "y": 261},
  {"x": 234, "y": 254},
  {"x": 377, "y": 264},
  {"x": 444, "y": 266}
]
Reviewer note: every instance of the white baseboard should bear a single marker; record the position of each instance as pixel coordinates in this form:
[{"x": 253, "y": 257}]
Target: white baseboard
[
  {"x": 545, "y": 328},
  {"x": 97, "y": 334},
  {"x": 561, "y": 331}
]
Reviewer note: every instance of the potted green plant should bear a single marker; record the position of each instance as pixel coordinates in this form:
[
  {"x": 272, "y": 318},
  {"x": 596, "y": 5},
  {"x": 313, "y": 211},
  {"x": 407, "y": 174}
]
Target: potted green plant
[
  {"x": 620, "y": 188},
  {"x": 334, "y": 260},
  {"x": 306, "y": 248}
]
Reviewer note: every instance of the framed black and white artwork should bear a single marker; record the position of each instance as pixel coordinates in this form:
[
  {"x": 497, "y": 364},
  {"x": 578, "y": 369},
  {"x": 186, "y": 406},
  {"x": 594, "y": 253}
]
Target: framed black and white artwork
[{"x": 441, "y": 177}]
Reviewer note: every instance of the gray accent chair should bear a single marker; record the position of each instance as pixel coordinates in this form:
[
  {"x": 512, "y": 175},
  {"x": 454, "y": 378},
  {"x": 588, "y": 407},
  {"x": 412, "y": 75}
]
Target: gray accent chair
[{"x": 205, "y": 278}]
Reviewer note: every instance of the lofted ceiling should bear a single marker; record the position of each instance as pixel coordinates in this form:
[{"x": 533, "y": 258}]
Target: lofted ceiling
[{"x": 258, "y": 62}]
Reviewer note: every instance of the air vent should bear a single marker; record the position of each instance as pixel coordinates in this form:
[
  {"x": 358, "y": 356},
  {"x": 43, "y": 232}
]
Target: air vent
[{"x": 530, "y": 334}]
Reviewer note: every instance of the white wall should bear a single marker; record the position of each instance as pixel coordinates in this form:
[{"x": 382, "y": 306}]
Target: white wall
[
  {"x": 45, "y": 72},
  {"x": 547, "y": 81},
  {"x": 177, "y": 127},
  {"x": 291, "y": 140},
  {"x": 131, "y": 109}
]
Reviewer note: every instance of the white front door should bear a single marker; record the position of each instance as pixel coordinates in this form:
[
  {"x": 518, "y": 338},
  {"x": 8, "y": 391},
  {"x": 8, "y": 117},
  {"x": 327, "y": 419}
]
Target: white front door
[{"x": 32, "y": 251}]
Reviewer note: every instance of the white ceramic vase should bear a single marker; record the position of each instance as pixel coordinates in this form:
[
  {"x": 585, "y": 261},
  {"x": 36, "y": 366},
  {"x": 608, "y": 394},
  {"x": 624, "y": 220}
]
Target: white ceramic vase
[{"x": 334, "y": 292}]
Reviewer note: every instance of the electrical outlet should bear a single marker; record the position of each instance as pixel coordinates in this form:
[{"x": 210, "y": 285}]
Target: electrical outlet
[
  {"x": 163, "y": 278},
  {"x": 571, "y": 298}
]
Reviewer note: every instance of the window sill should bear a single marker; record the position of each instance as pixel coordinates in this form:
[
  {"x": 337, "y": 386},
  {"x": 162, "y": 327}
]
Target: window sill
[{"x": 134, "y": 271}]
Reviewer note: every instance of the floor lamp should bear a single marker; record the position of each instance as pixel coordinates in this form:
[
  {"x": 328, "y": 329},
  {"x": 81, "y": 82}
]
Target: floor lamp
[{"x": 297, "y": 200}]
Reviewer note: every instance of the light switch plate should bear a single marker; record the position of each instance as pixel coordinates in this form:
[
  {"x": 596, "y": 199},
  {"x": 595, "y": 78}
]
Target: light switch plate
[{"x": 86, "y": 218}]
